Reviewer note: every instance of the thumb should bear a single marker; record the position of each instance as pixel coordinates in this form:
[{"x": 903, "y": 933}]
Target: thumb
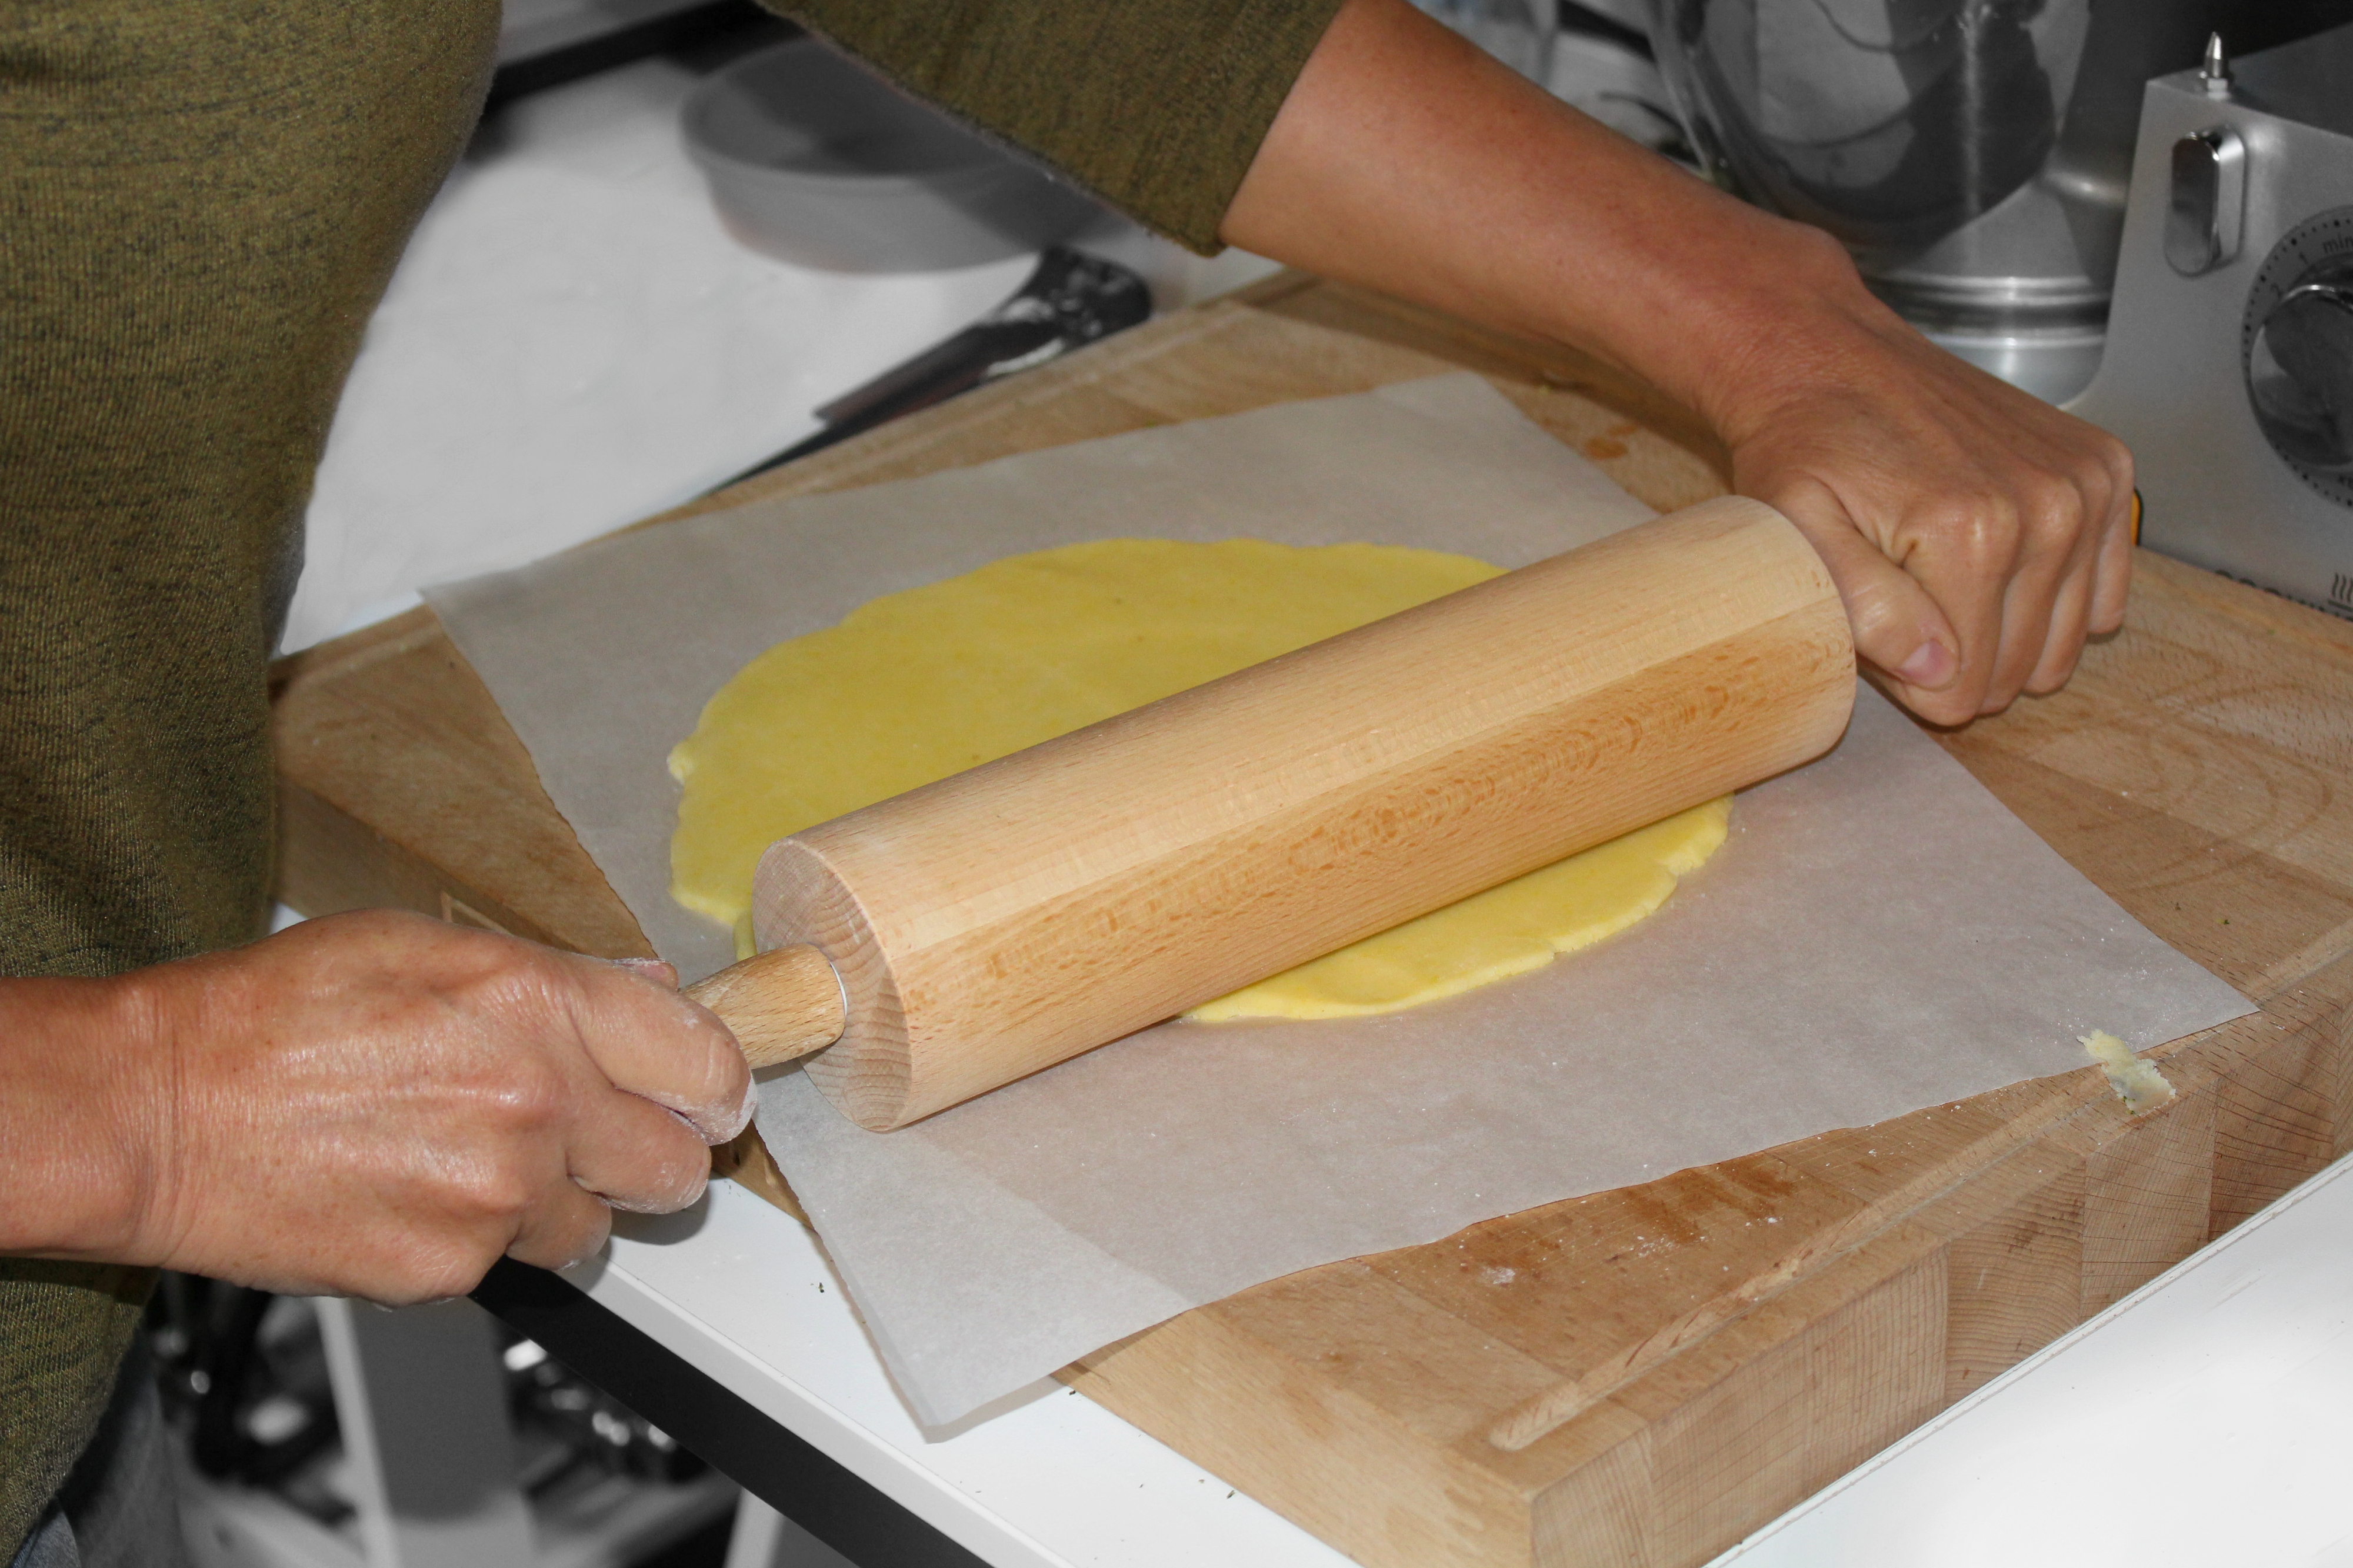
[{"x": 1898, "y": 626}]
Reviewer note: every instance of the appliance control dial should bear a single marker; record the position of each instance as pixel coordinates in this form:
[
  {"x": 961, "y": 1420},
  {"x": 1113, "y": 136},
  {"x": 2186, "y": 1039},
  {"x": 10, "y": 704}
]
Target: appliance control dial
[{"x": 2296, "y": 347}]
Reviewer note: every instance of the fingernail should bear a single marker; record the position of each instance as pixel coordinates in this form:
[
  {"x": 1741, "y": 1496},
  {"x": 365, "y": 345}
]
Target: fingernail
[
  {"x": 1932, "y": 664},
  {"x": 655, "y": 967}
]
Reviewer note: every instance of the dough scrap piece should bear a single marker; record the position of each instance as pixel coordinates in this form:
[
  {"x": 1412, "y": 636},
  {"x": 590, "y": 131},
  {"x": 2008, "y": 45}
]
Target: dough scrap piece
[
  {"x": 2137, "y": 1083},
  {"x": 918, "y": 685}
]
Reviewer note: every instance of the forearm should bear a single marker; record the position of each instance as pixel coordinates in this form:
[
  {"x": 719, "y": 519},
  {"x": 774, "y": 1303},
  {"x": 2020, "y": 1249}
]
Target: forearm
[
  {"x": 1407, "y": 161},
  {"x": 1976, "y": 534},
  {"x": 75, "y": 1138}
]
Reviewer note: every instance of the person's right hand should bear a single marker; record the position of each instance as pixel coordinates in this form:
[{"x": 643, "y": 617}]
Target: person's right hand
[{"x": 381, "y": 1105}]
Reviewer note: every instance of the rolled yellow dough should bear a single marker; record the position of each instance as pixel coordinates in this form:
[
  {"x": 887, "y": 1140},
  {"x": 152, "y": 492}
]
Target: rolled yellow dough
[
  {"x": 915, "y": 685},
  {"x": 1505, "y": 930}
]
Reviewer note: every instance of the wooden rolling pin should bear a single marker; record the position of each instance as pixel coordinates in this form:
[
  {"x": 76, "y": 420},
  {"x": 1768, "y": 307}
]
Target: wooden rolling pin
[{"x": 965, "y": 934}]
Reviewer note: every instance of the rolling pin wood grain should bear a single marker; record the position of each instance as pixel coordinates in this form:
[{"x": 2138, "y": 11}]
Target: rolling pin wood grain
[
  {"x": 780, "y": 1005},
  {"x": 981, "y": 928}
]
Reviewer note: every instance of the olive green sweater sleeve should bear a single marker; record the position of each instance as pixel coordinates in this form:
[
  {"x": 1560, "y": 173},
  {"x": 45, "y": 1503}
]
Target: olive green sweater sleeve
[
  {"x": 1156, "y": 106},
  {"x": 199, "y": 205}
]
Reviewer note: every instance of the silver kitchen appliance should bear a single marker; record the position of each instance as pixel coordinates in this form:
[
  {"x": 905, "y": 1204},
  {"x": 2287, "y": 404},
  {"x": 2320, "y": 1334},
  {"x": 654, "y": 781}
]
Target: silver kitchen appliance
[
  {"x": 2229, "y": 367},
  {"x": 1973, "y": 154}
]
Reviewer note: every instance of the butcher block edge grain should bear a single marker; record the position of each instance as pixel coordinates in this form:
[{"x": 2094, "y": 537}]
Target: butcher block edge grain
[{"x": 1639, "y": 1376}]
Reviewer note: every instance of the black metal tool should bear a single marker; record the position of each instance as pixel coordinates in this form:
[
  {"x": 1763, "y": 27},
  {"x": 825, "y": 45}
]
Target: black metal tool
[{"x": 1071, "y": 300}]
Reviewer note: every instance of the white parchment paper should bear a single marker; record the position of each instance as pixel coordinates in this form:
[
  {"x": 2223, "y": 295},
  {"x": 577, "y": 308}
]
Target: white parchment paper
[
  {"x": 1879, "y": 935},
  {"x": 602, "y": 658}
]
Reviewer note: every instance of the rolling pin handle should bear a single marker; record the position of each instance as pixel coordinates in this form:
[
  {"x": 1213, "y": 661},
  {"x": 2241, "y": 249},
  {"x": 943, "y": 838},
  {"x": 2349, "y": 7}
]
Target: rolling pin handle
[{"x": 782, "y": 1005}]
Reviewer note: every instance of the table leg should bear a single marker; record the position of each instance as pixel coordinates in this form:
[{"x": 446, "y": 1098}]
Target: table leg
[
  {"x": 763, "y": 1538},
  {"x": 422, "y": 1406},
  {"x": 832, "y": 1505}
]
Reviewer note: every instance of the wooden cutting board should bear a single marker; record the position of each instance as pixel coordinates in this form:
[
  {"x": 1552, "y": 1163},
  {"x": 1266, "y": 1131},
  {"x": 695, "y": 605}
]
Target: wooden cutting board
[{"x": 1636, "y": 1377}]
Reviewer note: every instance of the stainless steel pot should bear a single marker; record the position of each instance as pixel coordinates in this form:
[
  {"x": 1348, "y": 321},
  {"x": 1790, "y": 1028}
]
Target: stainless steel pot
[{"x": 1973, "y": 154}]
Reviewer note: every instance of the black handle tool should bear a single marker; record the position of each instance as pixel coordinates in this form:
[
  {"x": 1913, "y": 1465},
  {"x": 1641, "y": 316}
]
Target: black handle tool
[{"x": 1071, "y": 300}]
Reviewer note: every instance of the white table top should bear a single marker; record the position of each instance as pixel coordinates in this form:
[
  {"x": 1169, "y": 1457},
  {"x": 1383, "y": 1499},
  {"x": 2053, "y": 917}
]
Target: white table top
[
  {"x": 572, "y": 341},
  {"x": 1044, "y": 1478}
]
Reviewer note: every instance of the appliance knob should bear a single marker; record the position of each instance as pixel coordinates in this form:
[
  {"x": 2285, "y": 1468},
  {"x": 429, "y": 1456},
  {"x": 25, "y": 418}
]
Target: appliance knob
[
  {"x": 2300, "y": 372},
  {"x": 2209, "y": 200}
]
